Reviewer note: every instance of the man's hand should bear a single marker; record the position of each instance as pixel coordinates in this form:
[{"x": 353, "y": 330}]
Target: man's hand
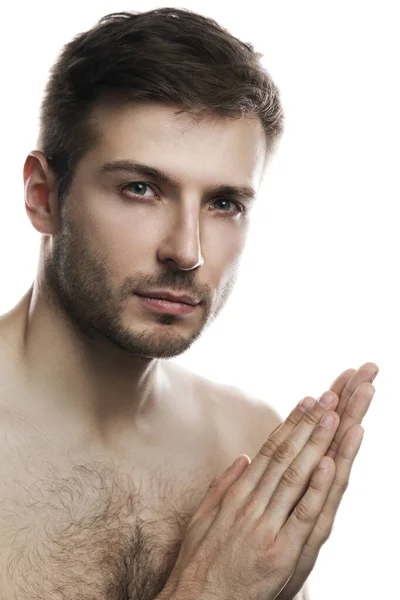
[
  {"x": 355, "y": 391},
  {"x": 245, "y": 539}
]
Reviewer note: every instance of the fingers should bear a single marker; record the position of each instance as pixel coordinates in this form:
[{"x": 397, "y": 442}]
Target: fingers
[
  {"x": 344, "y": 386},
  {"x": 305, "y": 515},
  {"x": 353, "y": 414},
  {"x": 355, "y": 399},
  {"x": 323, "y": 527},
  {"x": 299, "y": 418},
  {"x": 347, "y": 452},
  {"x": 355, "y": 391},
  {"x": 219, "y": 486},
  {"x": 366, "y": 373},
  {"x": 295, "y": 477},
  {"x": 255, "y": 488},
  {"x": 294, "y": 418},
  {"x": 340, "y": 382},
  {"x": 344, "y": 460}
]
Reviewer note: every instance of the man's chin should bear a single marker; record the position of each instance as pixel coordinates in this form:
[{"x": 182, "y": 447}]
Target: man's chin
[{"x": 157, "y": 344}]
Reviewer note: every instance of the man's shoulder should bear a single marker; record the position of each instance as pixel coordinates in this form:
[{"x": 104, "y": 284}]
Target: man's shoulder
[
  {"x": 255, "y": 412},
  {"x": 248, "y": 419},
  {"x": 237, "y": 410}
]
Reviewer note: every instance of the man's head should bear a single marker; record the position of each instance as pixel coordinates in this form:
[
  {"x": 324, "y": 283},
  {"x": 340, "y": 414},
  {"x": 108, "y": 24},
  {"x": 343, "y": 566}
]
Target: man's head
[{"x": 173, "y": 91}]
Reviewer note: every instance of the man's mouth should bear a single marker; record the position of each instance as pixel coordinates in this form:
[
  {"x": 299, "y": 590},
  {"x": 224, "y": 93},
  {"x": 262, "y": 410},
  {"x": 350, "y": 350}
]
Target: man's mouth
[{"x": 166, "y": 306}]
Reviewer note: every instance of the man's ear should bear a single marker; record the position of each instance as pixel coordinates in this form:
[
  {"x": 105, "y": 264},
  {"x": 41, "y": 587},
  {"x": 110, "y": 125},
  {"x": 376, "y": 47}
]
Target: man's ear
[{"x": 41, "y": 203}]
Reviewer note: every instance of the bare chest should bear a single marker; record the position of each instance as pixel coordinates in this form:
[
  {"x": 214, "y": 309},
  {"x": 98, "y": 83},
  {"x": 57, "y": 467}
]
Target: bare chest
[{"x": 92, "y": 530}]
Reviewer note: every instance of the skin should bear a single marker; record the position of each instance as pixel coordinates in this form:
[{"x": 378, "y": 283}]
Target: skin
[
  {"x": 176, "y": 238},
  {"x": 354, "y": 392},
  {"x": 81, "y": 311},
  {"x": 256, "y": 517}
]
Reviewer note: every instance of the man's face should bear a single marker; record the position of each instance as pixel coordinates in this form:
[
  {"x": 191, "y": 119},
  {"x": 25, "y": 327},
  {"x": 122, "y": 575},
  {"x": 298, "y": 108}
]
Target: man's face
[{"x": 126, "y": 233}]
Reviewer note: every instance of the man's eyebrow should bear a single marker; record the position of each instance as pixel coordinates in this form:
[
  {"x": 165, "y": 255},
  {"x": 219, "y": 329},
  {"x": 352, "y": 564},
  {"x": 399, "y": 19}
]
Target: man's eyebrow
[{"x": 242, "y": 192}]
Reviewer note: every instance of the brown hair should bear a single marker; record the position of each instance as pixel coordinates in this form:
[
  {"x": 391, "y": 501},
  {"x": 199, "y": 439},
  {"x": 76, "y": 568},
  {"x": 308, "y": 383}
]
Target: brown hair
[{"x": 170, "y": 55}]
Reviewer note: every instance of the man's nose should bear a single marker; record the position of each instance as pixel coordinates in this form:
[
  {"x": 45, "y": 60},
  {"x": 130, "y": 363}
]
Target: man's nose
[{"x": 182, "y": 244}]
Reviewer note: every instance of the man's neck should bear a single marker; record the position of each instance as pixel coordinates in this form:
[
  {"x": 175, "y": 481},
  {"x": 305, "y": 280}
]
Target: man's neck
[{"x": 94, "y": 383}]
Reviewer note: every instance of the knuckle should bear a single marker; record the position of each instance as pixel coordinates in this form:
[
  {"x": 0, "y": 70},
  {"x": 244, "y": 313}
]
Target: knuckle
[
  {"x": 248, "y": 509},
  {"x": 315, "y": 439},
  {"x": 234, "y": 496},
  {"x": 285, "y": 452},
  {"x": 344, "y": 457},
  {"x": 334, "y": 445},
  {"x": 292, "y": 477},
  {"x": 316, "y": 486},
  {"x": 342, "y": 484},
  {"x": 349, "y": 412},
  {"x": 324, "y": 535},
  {"x": 229, "y": 497},
  {"x": 311, "y": 418},
  {"x": 292, "y": 420},
  {"x": 268, "y": 449},
  {"x": 215, "y": 482},
  {"x": 303, "y": 512},
  {"x": 321, "y": 533}
]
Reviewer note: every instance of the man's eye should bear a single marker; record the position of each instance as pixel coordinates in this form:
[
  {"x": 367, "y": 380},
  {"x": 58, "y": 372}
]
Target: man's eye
[
  {"x": 239, "y": 207},
  {"x": 139, "y": 187}
]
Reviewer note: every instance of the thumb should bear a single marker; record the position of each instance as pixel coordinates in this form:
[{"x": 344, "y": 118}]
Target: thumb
[
  {"x": 232, "y": 473},
  {"x": 219, "y": 486}
]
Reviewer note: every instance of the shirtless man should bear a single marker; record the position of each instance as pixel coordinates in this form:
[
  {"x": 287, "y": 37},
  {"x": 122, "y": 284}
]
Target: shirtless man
[{"x": 108, "y": 451}]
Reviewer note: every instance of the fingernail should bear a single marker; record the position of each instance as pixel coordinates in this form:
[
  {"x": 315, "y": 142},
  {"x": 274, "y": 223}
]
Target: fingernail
[{"x": 326, "y": 399}]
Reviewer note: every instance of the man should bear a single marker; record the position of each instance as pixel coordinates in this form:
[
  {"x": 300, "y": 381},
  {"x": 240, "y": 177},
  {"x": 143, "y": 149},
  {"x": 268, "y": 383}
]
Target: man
[{"x": 155, "y": 132}]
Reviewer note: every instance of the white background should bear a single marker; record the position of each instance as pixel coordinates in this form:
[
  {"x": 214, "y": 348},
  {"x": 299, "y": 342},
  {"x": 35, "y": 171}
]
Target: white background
[{"x": 318, "y": 291}]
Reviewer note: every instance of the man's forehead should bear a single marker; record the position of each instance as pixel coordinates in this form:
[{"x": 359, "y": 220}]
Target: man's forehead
[{"x": 181, "y": 145}]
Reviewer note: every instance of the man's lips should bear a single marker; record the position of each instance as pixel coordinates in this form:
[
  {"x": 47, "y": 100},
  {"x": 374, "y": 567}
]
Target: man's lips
[
  {"x": 171, "y": 297},
  {"x": 166, "y": 306}
]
